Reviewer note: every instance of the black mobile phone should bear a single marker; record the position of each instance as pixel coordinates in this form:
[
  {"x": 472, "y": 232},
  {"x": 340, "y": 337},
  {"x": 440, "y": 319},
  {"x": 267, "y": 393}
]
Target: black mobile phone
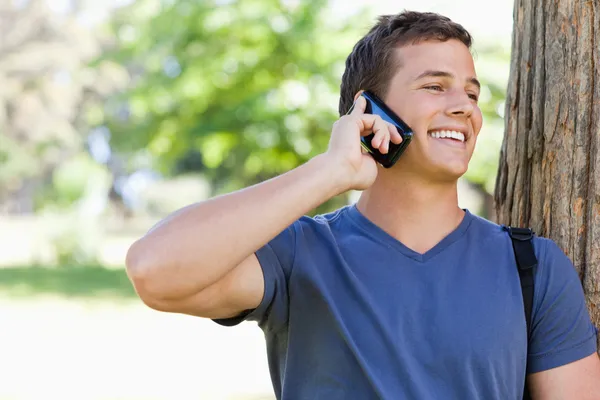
[{"x": 376, "y": 106}]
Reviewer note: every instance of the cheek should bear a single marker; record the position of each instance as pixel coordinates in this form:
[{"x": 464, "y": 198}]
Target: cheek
[
  {"x": 477, "y": 119},
  {"x": 418, "y": 112}
]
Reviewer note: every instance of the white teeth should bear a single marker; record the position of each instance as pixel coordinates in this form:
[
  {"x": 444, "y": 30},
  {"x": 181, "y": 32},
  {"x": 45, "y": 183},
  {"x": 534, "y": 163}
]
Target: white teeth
[{"x": 448, "y": 134}]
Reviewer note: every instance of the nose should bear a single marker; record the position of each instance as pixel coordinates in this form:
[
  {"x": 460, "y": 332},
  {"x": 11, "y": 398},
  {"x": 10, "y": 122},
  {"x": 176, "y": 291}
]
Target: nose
[{"x": 460, "y": 104}]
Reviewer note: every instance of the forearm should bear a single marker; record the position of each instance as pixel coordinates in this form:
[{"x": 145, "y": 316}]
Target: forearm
[{"x": 198, "y": 245}]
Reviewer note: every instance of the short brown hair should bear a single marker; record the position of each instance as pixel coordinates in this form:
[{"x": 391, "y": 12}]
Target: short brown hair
[{"x": 372, "y": 63}]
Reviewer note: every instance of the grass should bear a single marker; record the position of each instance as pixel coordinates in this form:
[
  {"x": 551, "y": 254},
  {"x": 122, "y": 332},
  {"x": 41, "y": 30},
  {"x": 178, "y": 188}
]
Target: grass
[
  {"x": 74, "y": 282},
  {"x": 95, "y": 326}
]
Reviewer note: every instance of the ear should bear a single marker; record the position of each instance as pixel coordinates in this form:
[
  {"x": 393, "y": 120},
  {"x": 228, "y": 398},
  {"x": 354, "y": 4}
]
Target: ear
[{"x": 358, "y": 94}]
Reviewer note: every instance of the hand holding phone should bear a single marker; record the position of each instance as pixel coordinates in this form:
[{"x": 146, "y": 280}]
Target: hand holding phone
[
  {"x": 369, "y": 126},
  {"x": 376, "y": 106}
]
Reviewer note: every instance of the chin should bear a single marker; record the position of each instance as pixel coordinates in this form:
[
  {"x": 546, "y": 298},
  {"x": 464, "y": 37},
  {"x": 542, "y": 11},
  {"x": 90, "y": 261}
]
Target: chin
[{"x": 452, "y": 172}]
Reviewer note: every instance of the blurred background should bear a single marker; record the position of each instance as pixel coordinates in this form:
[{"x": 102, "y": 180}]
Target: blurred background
[{"x": 114, "y": 113}]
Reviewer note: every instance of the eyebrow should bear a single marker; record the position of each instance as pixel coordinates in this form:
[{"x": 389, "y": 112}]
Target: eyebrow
[{"x": 444, "y": 74}]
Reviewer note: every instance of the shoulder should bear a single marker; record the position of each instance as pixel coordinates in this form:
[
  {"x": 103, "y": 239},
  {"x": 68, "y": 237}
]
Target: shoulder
[
  {"x": 488, "y": 231},
  {"x": 322, "y": 222},
  {"x": 328, "y": 231},
  {"x": 554, "y": 268}
]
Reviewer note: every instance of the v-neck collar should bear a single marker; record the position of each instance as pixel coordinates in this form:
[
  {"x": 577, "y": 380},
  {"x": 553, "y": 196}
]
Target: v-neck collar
[{"x": 379, "y": 234}]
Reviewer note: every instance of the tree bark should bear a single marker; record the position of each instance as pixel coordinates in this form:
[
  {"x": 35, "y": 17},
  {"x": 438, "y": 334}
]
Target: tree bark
[{"x": 549, "y": 173}]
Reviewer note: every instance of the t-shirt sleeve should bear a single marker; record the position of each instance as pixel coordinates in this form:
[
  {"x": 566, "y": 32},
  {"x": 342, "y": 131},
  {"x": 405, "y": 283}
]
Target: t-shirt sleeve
[
  {"x": 276, "y": 260},
  {"x": 562, "y": 331}
]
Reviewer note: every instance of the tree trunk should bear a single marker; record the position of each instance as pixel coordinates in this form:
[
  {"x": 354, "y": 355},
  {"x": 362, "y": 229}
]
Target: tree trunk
[{"x": 549, "y": 173}]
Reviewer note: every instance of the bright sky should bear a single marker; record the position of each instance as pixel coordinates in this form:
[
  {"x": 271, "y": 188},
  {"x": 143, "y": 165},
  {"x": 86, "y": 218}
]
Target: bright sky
[{"x": 485, "y": 20}]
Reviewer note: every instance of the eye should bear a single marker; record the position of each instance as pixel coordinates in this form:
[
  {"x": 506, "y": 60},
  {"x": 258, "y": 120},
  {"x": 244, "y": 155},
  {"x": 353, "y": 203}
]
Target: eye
[
  {"x": 434, "y": 87},
  {"x": 473, "y": 96}
]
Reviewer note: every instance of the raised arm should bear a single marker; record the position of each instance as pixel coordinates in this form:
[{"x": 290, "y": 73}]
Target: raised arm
[{"x": 200, "y": 260}]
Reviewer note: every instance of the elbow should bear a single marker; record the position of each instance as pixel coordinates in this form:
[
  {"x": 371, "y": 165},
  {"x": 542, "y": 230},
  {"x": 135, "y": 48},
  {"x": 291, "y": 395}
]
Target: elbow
[
  {"x": 143, "y": 273},
  {"x": 137, "y": 262}
]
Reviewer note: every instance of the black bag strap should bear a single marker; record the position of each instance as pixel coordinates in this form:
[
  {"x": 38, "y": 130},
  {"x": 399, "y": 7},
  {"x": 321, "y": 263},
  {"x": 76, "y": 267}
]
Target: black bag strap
[{"x": 522, "y": 240}]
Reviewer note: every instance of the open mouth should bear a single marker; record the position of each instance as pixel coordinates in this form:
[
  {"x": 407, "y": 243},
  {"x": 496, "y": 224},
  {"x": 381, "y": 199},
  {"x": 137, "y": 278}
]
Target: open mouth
[{"x": 448, "y": 135}]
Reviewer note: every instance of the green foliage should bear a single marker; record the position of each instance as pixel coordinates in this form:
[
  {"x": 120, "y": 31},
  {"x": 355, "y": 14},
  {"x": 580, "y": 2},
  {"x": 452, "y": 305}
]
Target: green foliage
[
  {"x": 245, "y": 90},
  {"x": 241, "y": 91},
  {"x": 73, "y": 179}
]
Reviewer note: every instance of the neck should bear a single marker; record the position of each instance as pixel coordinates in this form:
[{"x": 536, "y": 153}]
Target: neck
[{"x": 417, "y": 213}]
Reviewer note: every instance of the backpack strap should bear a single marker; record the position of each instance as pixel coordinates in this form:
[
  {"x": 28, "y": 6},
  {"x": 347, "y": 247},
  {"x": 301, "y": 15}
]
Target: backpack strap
[{"x": 522, "y": 240}]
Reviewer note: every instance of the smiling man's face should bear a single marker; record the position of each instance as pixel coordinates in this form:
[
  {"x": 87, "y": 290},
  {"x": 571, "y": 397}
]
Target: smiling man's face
[{"x": 435, "y": 92}]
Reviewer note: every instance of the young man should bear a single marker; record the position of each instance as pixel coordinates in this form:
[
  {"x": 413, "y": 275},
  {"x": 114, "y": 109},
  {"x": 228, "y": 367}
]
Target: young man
[{"x": 403, "y": 295}]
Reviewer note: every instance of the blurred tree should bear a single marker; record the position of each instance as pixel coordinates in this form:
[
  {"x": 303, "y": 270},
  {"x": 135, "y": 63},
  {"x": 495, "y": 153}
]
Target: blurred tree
[
  {"x": 245, "y": 90},
  {"x": 548, "y": 176},
  {"x": 239, "y": 90},
  {"x": 45, "y": 85}
]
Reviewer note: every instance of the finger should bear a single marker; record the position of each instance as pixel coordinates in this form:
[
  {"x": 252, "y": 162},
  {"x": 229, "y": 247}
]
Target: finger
[
  {"x": 358, "y": 108},
  {"x": 376, "y": 141},
  {"x": 373, "y": 124},
  {"x": 395, "y": 136},
  {"x": 385, "y": 145},
  {"x": 381, "y": 135},
  {"x": 381, "y": 130},
  {"x": 365, "y": 123}
]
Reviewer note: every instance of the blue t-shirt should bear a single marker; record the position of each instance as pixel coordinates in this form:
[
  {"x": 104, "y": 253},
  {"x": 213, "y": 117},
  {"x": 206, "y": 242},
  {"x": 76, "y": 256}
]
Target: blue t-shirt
[{"x": 349, "y": 312}]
